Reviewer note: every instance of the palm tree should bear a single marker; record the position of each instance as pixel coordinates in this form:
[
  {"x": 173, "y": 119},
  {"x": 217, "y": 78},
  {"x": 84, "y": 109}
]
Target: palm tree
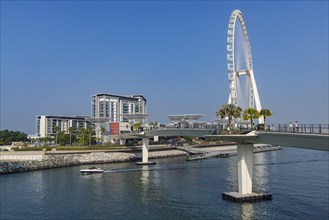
[
  {"x": 70, "y": 129},
  {"x": 153, "y": 124},
  {"x": 102, "y": 133},
  {"x": 265, "y": 113},
  {"x": 56, "y": 130},
  {"x": 229, "y": 111},
  {"x": 250, "y": 114},
  {"x": 81, "y": 133},
  {"x": 90, "y": 131}
]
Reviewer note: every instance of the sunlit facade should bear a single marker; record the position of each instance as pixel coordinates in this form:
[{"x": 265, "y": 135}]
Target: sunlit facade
[
  {"x": 45, "y": 124},
  {"x": 114, "y": 107}
]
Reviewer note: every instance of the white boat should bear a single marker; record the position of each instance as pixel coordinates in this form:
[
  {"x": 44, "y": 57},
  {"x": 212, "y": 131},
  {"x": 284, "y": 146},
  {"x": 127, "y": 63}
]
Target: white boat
[{"x": 91, "y": 170}]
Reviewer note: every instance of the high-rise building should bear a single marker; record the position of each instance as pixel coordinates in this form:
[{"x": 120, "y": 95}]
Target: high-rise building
[{"x": 117, "y": 108}]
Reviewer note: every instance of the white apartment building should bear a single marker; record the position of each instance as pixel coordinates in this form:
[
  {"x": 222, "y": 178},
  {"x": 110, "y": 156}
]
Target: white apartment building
[
  {"x": 105, "y": 108},
  {"x": 115, "y": 107},
  {"x": 45, "y": 124}
]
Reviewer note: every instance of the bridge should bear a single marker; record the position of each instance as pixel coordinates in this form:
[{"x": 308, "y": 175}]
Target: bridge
[
  {"x": 243, "y": 93},
  {"x": 246, "y": 156},
  {"x": 245, "y": 146},
  {"x": 189, "y": 132}
]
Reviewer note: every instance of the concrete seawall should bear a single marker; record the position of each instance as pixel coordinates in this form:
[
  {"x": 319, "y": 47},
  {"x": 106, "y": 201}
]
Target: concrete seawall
[
  {"x": 21, "y": 155},
  {"x": 73, "y": 159}
]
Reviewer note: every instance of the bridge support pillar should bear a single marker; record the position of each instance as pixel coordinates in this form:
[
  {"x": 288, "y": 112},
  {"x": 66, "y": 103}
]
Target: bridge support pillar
[
  {"x": 245, "y": 167},
  {"x": 245, "y": 170},
  {"x": 145, "y": 153},
  {"x": 122, "y": 141},
  {"x": 145, "y": 150}
]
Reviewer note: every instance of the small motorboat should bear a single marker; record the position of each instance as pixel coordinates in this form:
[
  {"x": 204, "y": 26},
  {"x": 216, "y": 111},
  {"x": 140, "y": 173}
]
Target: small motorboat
[{"x": 91, "y": 170}]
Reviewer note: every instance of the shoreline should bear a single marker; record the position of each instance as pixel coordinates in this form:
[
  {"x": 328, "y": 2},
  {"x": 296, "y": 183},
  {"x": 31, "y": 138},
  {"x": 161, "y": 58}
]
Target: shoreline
[
  {"x": 61, "y": 159},
  {"x": 51, "y": 161}
]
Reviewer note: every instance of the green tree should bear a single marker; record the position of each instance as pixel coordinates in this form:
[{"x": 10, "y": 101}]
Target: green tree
[
  {"x": 153, "y": 124},
  {"x": 90, "y": 132},
  {"x": 229, "y": 111},
  {"x": 81, "y": 135},
  {"x": 265, "y": 113},
  {"x": 56, "y": 129},
  {"x": 102, "y": 133},
  {"x": 137, "y": 126},
  {"x": 70, "y": 130},
  {"x": 250, "y": 114},
  {"x": 63, "y": 138},
  {"x": 7, "y": 137},
  {"x": 46, "y": 140}
]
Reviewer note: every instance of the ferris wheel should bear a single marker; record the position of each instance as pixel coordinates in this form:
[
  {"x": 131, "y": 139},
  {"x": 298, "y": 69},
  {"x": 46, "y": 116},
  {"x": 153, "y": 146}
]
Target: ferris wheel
[{"x": 242, "y": 83}]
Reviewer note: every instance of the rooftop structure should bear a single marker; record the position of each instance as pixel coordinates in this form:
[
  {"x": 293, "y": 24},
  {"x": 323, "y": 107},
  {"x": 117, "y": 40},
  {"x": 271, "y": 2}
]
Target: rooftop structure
[
  {"x": 185, "y": 117},
  {"x": 135, "y": 116}
]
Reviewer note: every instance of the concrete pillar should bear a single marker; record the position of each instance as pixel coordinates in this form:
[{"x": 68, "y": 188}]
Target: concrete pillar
[
  {"x": 245, "y": 167},
  {"x": 122, "y": 141},
  {"x": 145, "y": 150}
]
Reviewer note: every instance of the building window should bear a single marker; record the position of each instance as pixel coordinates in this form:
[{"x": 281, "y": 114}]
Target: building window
[
  {"x": 107, "y": 108},
  {"x": 113, "y": 111},
  {"x": 101, "y": 109},
  {"x": 131, "y": 109},
  {"x": 93, "y": 107},
  {"x": 124, "y": 107}
]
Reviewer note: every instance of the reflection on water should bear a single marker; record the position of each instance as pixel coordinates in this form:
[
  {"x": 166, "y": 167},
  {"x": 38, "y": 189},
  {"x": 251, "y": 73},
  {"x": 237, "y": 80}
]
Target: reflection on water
[
  {"x": 96, "y": 181},
  {"x": 247, "y": 211},
  {"x": 145, "y": 176},
  {"x": 232, "y": 178},
  {"x": 144, "y": 184},
  {"x": 260, "y": 174},
  {"x": 172, "y": 189}
]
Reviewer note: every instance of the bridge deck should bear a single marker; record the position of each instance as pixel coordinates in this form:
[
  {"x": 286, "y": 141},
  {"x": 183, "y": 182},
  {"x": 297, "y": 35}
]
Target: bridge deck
[{"x": 307, "y": 141}]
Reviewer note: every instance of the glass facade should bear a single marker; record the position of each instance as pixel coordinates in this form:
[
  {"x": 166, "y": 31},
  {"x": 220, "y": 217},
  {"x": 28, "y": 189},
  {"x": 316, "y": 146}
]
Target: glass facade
[
  {"x": 113, "y": 116},
  {"x": 93, "y": 107}
]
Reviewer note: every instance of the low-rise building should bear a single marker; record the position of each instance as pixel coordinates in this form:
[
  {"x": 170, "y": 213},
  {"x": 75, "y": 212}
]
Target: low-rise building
[{"x": 45, "y": 125}]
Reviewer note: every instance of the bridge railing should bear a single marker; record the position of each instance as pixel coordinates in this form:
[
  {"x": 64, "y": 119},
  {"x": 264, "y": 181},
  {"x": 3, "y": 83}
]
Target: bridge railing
[{"x": 302, "y": 128}]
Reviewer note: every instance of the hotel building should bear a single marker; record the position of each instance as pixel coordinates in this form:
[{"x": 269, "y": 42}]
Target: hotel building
[
  {"x": 45, "y": 124},
  {"x": 106, "y": 109},
  {"x": 117, "y": 108}
]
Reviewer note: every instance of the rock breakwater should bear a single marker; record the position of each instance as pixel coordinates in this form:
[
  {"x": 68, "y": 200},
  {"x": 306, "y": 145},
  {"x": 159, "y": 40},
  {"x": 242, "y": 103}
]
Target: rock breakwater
[{"x": 64, "y": 160}]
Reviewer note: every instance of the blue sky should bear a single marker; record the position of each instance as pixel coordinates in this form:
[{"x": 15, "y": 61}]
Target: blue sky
[{"x": 56, "y": 54}]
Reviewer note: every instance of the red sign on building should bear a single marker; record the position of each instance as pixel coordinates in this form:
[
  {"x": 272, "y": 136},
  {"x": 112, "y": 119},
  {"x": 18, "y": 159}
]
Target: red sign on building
[{"x": 114, "y": 128}]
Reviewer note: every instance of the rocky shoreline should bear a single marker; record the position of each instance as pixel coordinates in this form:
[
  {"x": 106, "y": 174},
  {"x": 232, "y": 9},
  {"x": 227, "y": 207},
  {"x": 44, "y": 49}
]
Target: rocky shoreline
[{"x": 64, "y": 160}]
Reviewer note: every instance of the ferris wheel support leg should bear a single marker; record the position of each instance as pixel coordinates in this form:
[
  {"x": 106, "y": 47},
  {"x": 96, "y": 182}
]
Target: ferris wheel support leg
[
  {"x": 229, "y": 99},
  {"x": 256, "y": 95}
]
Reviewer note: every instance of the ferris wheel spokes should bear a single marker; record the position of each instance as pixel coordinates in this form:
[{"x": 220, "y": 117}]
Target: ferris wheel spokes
[{"x": 242, "y": 83}]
